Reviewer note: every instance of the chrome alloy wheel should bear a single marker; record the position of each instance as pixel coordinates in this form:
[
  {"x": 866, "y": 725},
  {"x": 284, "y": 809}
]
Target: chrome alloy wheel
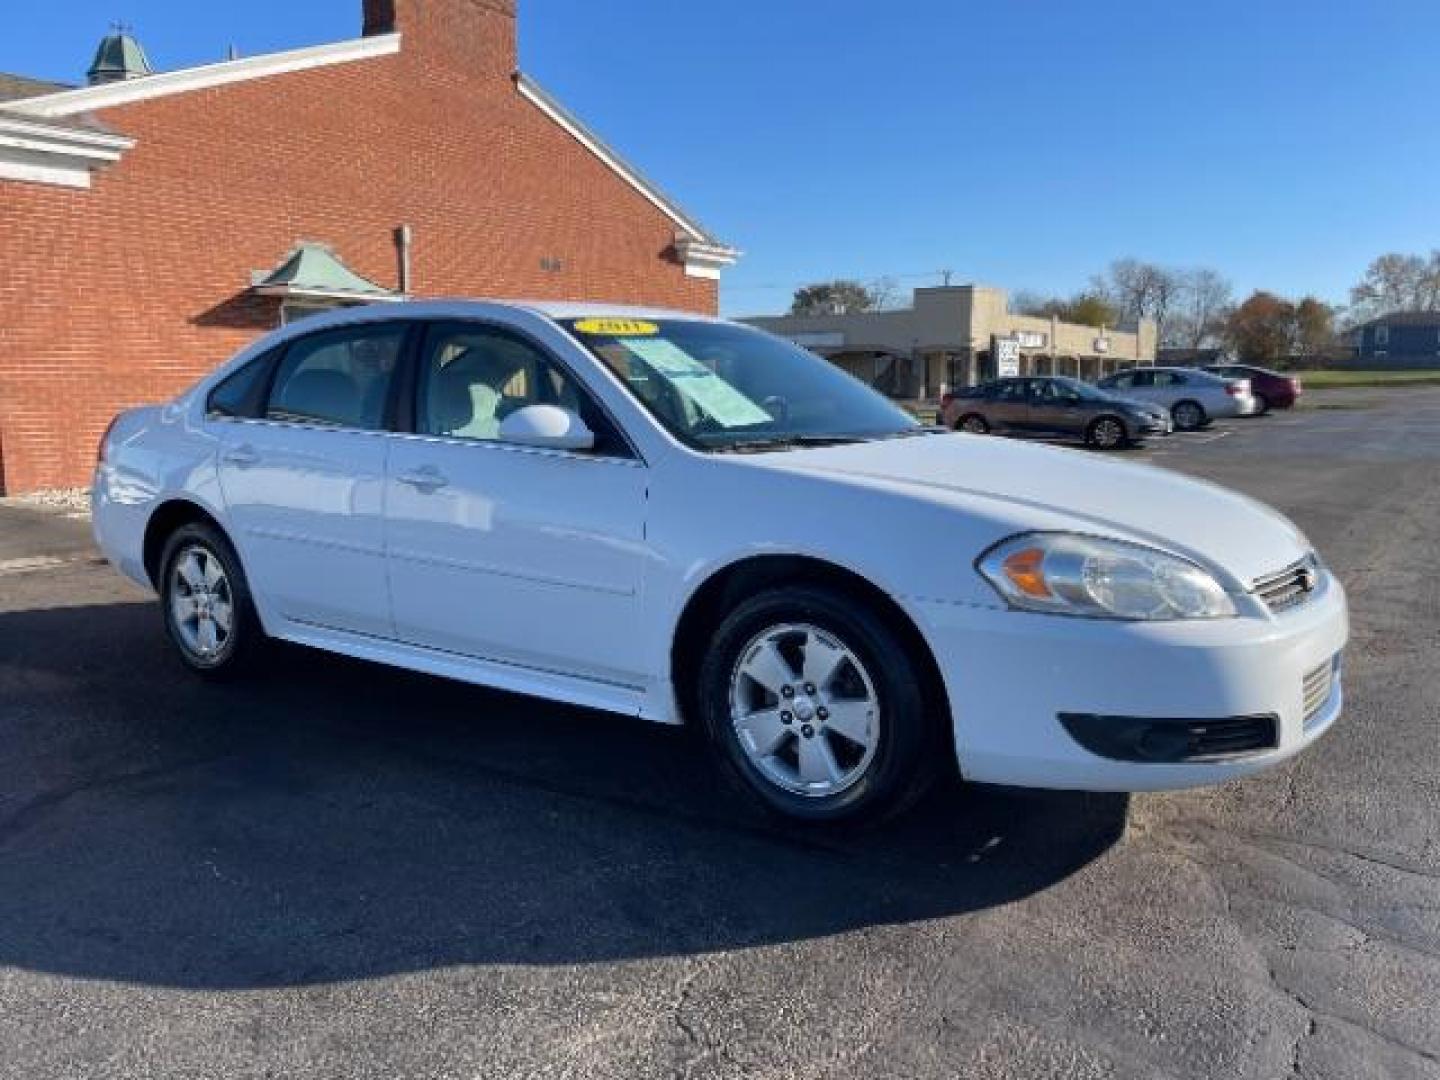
[
  {"x": 1188, "y": 416},
  {"x": 1108, "y": 433},
  {"x": 202, "y": 606},
  {"x": 804, "y": 710}
]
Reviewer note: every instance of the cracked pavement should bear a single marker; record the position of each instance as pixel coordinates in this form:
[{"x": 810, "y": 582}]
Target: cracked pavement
[{"x": 339, "y": 870}]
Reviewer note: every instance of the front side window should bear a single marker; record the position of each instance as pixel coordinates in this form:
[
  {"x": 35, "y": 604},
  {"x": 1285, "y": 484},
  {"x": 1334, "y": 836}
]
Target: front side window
[
  {"x": 717, "y": 385},
  {"x": 1011, "y": 390},
  {"x": 472, "y": 377},
  {"x": 340, "y": 378}
]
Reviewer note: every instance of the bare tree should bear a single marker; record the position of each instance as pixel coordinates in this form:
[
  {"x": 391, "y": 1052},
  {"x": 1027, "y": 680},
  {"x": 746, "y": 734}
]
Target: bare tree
[
  {"x": 1140, "y": 290},
  {"x": 1397, "y": 282},
  {"x": 884, "y": 294},
  {"x": 1204, "y": 308}
]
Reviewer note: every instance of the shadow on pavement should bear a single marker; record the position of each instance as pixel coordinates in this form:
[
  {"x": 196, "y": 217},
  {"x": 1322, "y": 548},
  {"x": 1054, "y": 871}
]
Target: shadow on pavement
[{"x": 333, "y": 820}]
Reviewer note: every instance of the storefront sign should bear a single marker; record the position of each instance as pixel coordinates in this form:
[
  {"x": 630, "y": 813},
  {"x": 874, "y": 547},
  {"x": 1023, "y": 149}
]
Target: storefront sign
[
  {"x": 1102, "y": 344},
  {"x": 1031, "y": 339},
  {"x": 1007, "y": 357}
]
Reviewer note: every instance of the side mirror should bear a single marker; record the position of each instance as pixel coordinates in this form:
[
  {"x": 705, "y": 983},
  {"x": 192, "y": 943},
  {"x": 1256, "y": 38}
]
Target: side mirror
[{"x": 548, "y": 427}]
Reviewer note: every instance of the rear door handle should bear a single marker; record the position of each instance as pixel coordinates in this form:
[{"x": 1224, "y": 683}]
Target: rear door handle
[
  {"x": 242, "y": 456},
  {"x": 427, "y": 478}
]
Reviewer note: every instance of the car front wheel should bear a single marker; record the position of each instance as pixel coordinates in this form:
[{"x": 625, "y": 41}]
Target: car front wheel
[
  {"x": 975, "y": 425},
  {"x": 816, "y": 707},
  {"x": 1188, "y": 416},
  {"x": 209, "y": 616},
  {"x": 1107, "y": 433}
]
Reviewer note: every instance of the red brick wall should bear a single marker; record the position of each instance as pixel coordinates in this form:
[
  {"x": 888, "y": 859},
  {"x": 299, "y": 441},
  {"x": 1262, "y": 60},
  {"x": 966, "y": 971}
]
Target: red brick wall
[{"x": 125, "y": 293}]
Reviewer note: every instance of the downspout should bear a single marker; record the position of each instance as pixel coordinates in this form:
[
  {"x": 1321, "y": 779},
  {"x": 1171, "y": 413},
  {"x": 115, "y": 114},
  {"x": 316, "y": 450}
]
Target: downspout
[{"x": 404, "y": 237}]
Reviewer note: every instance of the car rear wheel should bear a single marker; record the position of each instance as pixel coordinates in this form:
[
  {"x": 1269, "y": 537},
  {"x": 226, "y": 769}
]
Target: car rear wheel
[
  {"x": 209, "y": 616},
  {"x": 1188, "y": 416},
  {"x": 816, "y": 708},
  {"x": 1107, "y": 433},
  {"x": 973, "y": 423},
  {"x": 1262, "y": 405}
]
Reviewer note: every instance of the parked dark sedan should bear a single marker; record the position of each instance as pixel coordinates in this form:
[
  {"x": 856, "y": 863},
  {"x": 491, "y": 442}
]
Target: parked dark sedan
[
  {"x": 1271, "y": 389},
  {"x": 1053, "y": 405}
]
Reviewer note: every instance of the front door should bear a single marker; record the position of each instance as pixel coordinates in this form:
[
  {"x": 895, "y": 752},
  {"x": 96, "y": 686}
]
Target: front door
[
  {"x": 303, "y": 481},
  {"x": 524, "y": 556}
]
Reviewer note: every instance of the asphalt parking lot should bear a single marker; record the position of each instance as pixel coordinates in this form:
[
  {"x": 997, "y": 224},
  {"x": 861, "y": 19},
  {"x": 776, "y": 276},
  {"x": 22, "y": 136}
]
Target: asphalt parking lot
[{"x": 341, "y": 870}]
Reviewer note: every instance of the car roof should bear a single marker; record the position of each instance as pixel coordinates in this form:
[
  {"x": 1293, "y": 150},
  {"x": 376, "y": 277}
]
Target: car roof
[{"x": 480, "y": 308}]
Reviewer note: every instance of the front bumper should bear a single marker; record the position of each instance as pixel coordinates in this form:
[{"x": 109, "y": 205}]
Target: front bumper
[
  {"x": 1011, "y": 676},
  {"x": 1149, "y": 424}
]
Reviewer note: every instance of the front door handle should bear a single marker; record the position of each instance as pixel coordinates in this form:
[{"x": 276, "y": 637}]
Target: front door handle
[
  {"x": 427, "y": 478},
  {"x": 242, "y": 456}
]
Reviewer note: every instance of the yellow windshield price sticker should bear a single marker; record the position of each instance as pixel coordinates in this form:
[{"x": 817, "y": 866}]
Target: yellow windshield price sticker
[{"x": 617, "y": 327}]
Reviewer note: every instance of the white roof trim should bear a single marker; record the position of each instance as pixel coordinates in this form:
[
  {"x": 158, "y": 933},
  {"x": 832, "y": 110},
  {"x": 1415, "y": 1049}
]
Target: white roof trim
[
  {"x": 704, "y": 259},
  {"x": 300, "y": 292},
  {"x": 43, "y": 153},
  {"x": 588, "y": 139},
  {"x": 109, "y": 95}
]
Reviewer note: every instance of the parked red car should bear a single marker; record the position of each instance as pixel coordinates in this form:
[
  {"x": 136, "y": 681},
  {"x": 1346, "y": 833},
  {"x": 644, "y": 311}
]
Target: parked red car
[{"x": 1272, "y": 390}]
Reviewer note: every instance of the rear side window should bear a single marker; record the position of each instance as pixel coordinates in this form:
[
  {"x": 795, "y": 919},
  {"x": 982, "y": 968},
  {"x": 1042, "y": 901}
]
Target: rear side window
[
  {"x": 1169, "y": 378},
  {"x": 241, "y": 393},
  {"x": 339, "y": 379}
]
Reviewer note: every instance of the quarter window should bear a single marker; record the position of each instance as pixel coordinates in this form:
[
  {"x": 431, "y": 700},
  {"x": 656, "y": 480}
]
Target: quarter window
[
  {"x": 241, "y": 393},
  {"x": 339, "y": 379},
  {"x": 473, "y": 377}
]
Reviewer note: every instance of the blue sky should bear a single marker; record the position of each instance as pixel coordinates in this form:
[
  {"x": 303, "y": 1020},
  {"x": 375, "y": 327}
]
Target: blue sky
[{"x": 1023, "y": 143}]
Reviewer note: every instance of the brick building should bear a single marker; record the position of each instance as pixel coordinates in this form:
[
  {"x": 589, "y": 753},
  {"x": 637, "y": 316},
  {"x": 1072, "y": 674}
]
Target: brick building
[{"x": 151, "y": 224}]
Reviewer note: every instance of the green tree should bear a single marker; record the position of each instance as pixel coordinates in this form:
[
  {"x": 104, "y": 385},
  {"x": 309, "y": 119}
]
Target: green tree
[
  {"x": 1262, "y": 329},
  {"x": 1091, "y": 309},
  {"x": 842, "y": 297},
  {"x": 1314, "y": 326}
]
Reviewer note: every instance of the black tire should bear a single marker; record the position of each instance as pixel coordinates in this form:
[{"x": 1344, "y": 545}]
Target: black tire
[
  {"x": 238, "y": 648},
  {"x": 907, "y": 724},
  {"x": 974, "y": 423},
  {"x": 1188, "y": 415},
  {"x": 1099, "y": 433},
  {"x": 1262, "y": 405}
]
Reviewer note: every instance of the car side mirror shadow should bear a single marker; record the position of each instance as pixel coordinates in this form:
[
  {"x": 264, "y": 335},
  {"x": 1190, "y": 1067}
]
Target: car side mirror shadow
[{"x": 548, "y": 427}]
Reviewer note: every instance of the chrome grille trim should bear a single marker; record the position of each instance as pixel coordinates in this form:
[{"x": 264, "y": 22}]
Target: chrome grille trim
[
  {"x": 1315, "y": 689},
  {"x": 1288, "y": 587}
]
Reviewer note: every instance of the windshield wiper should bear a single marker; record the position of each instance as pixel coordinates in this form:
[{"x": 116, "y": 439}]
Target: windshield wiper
[
  {"x": 785, "y": 442},
  {"x": 923, "y": 429}
]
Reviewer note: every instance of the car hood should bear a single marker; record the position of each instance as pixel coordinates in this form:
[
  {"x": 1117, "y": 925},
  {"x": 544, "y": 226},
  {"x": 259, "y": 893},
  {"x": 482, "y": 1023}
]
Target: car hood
[{"x": 1027, "y": 486}]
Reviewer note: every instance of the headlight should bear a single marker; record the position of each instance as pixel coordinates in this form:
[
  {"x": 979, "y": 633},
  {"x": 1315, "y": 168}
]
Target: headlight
[{"x": 1070, "y": 574}]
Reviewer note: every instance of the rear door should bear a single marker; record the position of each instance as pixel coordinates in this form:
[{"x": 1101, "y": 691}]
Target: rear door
[
  {"x": 1009, "y": 405},
  {"x": 303, "y": 479}
]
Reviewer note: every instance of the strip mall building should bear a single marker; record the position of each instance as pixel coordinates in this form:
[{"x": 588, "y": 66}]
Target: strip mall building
[
  {"x": 152, "y": 224},
  {"x": 957, "y": 336}
]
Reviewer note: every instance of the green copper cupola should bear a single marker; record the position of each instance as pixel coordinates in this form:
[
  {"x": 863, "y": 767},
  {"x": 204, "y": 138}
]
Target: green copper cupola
[{"x": 118, "y": 58}]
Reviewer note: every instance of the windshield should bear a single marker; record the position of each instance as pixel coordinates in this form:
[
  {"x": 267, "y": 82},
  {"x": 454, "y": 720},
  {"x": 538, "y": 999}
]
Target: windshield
[{"x": 719, "y": 386}]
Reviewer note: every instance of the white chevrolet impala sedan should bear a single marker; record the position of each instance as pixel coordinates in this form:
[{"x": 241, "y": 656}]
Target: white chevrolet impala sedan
[{"x": 691, "y": 521}]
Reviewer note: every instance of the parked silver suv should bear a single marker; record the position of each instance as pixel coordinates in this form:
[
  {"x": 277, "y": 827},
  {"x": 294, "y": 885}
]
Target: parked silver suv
[{"x": 1193, "y": 397}]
